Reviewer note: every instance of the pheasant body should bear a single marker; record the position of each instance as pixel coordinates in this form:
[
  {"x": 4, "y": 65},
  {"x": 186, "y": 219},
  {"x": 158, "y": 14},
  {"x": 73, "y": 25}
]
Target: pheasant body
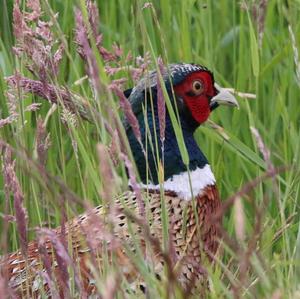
[
  {"x": 190, "y": 198},
  {"x": 184, "y": 234}
]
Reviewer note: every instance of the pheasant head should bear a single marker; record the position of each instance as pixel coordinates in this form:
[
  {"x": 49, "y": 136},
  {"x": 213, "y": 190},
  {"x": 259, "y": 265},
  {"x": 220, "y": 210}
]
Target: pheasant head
[{"x": 194, "y": 94}]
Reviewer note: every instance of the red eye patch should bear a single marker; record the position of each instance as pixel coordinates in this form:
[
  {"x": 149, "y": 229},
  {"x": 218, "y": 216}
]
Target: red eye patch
[
  {"x": 187, "y": 84},
  {"x": 197, "y": 104}
]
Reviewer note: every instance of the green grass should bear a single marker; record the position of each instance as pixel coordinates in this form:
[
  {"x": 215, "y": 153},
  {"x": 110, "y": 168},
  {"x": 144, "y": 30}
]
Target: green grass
[{"x": 224, "y": 37}]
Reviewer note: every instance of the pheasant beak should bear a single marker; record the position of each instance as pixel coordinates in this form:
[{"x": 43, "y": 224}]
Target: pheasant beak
[{"x": 224, "y": 97}]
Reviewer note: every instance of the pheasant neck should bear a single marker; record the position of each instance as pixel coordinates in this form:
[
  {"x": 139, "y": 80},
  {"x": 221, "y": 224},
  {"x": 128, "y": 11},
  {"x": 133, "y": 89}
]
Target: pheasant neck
[{"x": 185, "y": 181}]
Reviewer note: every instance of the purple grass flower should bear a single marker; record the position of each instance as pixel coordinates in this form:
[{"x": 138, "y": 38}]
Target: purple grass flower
[
  {"x": 8, "y": 218},
  {"x": 118, "y": 51},
  {"x": 142, "y": 64},
  {"x": 47, "y": 274},
  {"x": 8, "y": 120},
  {"x": 59, "y": 95},
  {"x": 3, "y": 291},
  {"x": 259, "y": 10},
  {"x": 19, "y": 26},
  {"x": 33, "y": 107},
  {"x": 35, "y": 7},
  {"x": 106, "y": 54},
  {"x": 43, "y": 30},
  {"x": 86, "y": 51},
  {"x": 42, "y": 142},
  {"x": 12, "y": 101},
  {"x": 107, "y": 175},
  {"x": 147, "y": 5},
  {"x": 57, "y": 57},
  {"x": 45, "y": 257},
  {"x": 21, "y": 219},
  {"x": 114, "y": 148},
  {"x": 51, "y": 284},
  {"x": 110, "y": 71},
  {"x": 63, "y": 260},
  {"x": 119, "y": 82},
  {"x": 46, "y": 91},
  {"x": 12, "y": 184},
  {"x": 133, "y": 183},
  {"x": 263, "y": 149},
  {"x": 93, "y": 17},
  {"x": 96, "y": 232},
  {"x": 113, "y": 56},
  {"x": 112, "y": 285},
  {"x": 35, "y": 40},
  {"x": 127, "y": 109},
  {"x": 47, "y": 236}
]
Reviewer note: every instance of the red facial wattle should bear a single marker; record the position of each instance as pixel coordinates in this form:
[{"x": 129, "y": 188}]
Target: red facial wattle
[
  {"x": 198, "y": 105},
  {"x": 199, "y": 108}
]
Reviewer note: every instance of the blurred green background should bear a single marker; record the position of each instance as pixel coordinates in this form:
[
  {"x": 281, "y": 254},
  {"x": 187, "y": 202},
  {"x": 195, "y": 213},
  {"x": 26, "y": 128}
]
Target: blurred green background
[{"x": 249, "y": 47}]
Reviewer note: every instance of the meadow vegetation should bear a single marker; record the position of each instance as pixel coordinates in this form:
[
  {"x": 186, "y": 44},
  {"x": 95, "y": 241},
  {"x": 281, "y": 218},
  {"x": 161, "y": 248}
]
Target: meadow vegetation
[{"x": 59, "y": 159}]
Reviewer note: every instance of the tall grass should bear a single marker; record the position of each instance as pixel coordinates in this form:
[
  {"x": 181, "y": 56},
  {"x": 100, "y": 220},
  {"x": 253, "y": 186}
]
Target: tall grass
[{"x": 250, "y": 48}]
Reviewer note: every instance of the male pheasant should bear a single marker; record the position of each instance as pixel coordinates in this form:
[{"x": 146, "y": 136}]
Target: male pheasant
[{"x": 190, "y": 195}]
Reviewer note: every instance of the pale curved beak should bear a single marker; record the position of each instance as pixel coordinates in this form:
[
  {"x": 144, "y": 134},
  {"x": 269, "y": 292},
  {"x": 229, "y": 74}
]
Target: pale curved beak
[{"x": 224, "y": 97}]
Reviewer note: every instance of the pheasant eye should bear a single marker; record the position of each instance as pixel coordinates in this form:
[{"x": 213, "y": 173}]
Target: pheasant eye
[{"x": 197, "y": 87}]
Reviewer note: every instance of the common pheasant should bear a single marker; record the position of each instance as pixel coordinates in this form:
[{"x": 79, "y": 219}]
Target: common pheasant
[{"x": 190, "y": 195}]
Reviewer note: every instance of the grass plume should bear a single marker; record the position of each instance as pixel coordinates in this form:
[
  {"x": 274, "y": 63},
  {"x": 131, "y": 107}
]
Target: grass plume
[{"x": 82, "y": 62}]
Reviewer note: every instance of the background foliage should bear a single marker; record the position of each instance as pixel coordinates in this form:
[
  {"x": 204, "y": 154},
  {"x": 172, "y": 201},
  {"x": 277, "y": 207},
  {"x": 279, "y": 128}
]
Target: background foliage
[{"x": 250, "y": 46}]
